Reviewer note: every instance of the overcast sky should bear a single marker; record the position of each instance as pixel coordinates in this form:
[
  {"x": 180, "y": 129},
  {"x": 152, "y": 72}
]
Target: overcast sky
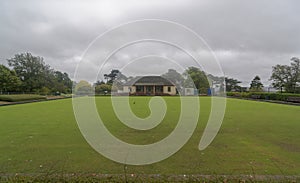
[{"x": 248, "y": 37}]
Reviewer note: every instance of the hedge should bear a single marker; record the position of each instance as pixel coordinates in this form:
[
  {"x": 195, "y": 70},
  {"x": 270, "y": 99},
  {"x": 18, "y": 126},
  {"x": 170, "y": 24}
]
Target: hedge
[
  {"x": 23, "y": 97},
  {"x": 263, "y": 95}
]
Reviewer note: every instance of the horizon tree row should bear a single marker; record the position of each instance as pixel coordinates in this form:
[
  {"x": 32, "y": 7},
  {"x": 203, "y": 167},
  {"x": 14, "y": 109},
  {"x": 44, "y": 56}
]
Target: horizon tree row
[
  {"x": 30, "y": 74},
  {"x": 284, "y": 78}
]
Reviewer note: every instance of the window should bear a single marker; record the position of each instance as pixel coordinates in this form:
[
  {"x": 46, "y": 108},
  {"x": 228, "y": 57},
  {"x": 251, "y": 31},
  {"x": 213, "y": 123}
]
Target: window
[
  {"x": 158, "y": 89},
  {"x": 139, "y": 88},
  {"x": 169, "y": 88},
  {"x": 149, "y": 89}
]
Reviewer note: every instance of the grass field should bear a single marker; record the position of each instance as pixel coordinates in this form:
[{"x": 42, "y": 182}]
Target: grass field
[{"x": 255, "y": 138}]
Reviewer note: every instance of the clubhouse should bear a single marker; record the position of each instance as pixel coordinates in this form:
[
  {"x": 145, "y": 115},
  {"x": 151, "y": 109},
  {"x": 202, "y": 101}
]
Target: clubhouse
[{"x": 149, "y": 85}]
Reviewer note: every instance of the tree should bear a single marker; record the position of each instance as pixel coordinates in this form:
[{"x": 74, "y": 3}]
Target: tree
[
  {"x": 113, "y": 75},
  {"x": 36, "y": 75},
  {"x": 9, "y": 80},
  {"x": 175, "y": 77},
  {"x": 116, "y": 79},
  {"x": 99, "y": 83},
  {"x": 232, "y": 84},
  {"x": 287, "y": 77},
  {"x": 103, "y": 89},
  {"x": 281, "y": 77},
  {"x": 32, "y": 71},
  {"x": 256, "y": 84},
  {"x": 83, "y": 88},
  {"x": 295, "y": 68},
  {"x": 62, "y": 82},
  {"x": 198, "y": 77},
  {"x": 44, "y": 91}
]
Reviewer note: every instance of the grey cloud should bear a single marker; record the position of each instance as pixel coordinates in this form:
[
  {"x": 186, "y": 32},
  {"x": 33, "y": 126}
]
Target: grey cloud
[{"x": 248, "y": 37}]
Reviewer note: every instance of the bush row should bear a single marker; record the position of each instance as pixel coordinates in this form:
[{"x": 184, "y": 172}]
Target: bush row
[
  {"x": 266, "y": 96},
  {"x": 23, "y": 97}
]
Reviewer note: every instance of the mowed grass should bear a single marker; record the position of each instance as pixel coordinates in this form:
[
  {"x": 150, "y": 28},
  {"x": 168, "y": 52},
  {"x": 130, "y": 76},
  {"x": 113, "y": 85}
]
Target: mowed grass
[{"x": 255, "y": 138}]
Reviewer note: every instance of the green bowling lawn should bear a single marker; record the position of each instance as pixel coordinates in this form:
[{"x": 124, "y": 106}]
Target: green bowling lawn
[{"x": 255, "y": 138}]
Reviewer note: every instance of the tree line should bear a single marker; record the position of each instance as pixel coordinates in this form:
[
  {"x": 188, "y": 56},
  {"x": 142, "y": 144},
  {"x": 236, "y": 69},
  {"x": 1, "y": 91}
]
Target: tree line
[
  {"x": 287, "y": 77},
  {"x": 192, "y": 77},
  {"x": 30, "y": 74},
  {"x": 115, "y": 80},
  {"x": 284, "y": 78}
]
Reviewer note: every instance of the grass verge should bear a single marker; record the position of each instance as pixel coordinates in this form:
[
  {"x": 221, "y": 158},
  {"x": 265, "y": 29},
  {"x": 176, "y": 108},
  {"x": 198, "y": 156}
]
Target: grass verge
[{"x": 22, "y": 97}]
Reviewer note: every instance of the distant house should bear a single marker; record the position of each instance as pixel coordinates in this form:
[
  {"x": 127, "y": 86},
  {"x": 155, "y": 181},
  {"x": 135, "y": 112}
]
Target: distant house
[
  {"x": 149, "y": 85},
  {"x": 270, "y": 89},
  {"x": 190, "y": 92}
]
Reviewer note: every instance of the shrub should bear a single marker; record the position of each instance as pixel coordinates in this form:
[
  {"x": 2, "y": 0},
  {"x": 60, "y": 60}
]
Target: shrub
[
  {"x": 23, "y": 97},
  {"x": 263, "y": 95},
  {"x": 44, "y": 91}
]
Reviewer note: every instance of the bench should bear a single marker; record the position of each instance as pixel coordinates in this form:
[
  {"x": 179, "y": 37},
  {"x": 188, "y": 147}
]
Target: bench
[{"x": 293, "y": 99}]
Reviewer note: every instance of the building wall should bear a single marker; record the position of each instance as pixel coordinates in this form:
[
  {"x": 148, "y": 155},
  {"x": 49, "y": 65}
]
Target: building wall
[
  {"x": 129, "y": 89},
  {"x": 132, "y": 90},
  {"x": 126, "y": 89},
  {"x": 172, "y": 92},
  {"x": 189, "y": 91}
]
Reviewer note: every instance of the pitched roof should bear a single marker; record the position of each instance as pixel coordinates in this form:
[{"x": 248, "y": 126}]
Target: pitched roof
[{"x": 149, "y": 80}]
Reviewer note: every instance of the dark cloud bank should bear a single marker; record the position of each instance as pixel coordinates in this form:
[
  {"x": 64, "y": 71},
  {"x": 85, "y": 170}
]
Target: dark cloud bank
[{"x": 248, "y": 37}]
